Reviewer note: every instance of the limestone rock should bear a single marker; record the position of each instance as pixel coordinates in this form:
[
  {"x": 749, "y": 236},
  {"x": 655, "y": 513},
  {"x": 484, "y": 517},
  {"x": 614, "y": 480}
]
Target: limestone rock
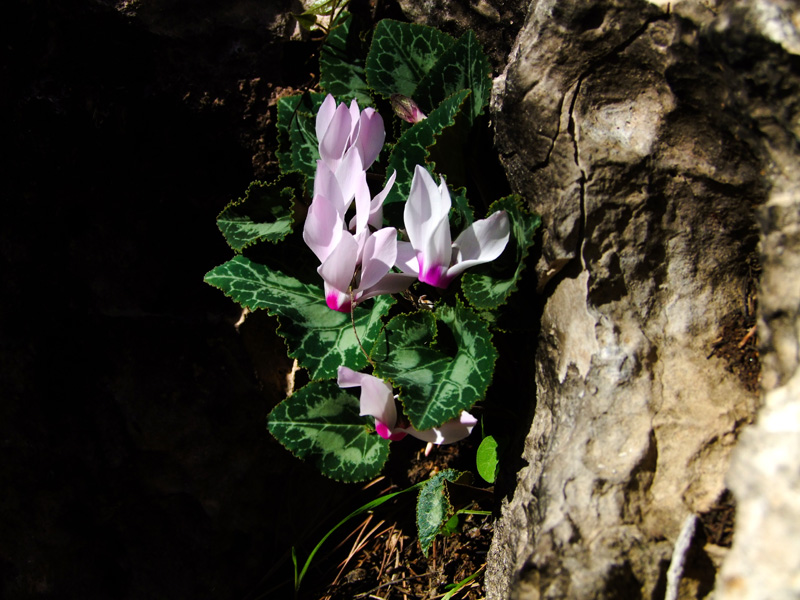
[
  {"x": 628, "y": 128},
  {"x": 765, "y": 471}
]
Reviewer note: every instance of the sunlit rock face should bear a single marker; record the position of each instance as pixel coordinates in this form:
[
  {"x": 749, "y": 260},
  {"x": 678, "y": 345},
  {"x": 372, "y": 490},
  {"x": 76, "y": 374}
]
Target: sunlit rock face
[{"x": 653, "y": 143}]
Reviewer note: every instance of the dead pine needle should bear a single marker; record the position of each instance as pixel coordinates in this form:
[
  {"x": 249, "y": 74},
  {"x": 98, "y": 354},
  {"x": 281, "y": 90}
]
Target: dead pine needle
[
  {"x": 389, "y": 548},
  {"x": 747, "y": 337}
]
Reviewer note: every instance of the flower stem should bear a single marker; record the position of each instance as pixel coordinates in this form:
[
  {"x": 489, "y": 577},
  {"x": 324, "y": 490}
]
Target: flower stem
[{"x": 355, "y": 331}]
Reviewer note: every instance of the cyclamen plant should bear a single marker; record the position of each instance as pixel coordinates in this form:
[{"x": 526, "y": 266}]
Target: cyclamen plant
[
  {"x": 345, "y": 284},
  {"x": 356, "y": 265}
]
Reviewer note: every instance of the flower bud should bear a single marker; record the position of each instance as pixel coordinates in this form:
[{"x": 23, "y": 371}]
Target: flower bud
[{"x": 405, "y": 108}]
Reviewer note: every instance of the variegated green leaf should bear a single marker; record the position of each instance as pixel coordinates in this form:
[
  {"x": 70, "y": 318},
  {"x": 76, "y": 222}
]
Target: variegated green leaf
[
  {"x": 401, "y": 54},
  {"x": 411, "y": 148},
  {"x": 341, "y": 63},
  {"x": 461, "y": 215},
  {"x": 437, "y": 383},
  {"x": 325, "y": 340},
  {"x": 265, "y": 213},
  {"x": 433, "y": 507},
  {"x": 488, "y": 286},
  {"x": 463, "y": 66},
  {"x": 319, "y": 338},
  {"x": 320, "y": 422},
  {"x": 298, "y": 149}
]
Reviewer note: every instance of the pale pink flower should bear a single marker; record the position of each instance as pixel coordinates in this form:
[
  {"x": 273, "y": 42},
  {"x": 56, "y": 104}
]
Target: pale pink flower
[
  {"x": 377, "y": 400},
  {"x": 355, "y": 261},
  {"x": 430, "y": 253},
  {"x": 342, "y": 131},
  {"x": 360, "y": 265}
]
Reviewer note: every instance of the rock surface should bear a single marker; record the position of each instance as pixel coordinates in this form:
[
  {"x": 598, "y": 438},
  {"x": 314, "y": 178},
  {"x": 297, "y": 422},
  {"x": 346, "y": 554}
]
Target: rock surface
[
  {"x": 647, "y": 140},
  {"x": 764, "y": 561}
]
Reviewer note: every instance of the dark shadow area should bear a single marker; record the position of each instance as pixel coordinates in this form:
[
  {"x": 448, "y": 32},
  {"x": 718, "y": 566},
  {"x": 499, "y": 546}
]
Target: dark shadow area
[{"x": 135, "y": 461}]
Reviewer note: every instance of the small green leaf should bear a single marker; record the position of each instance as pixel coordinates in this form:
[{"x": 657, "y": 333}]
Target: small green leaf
[
  {"x": 433, "y": 507},
  {"x": 486, "y": 459},
  {"x": 401, "y": 54},
  {"x": 307, "y": 21},
  {"x": 265, "y": 213},
  {"x": 319, "y": 338},
  {"x": 437, "y": 384},
  {"x": 488, "y": 286},
  {"x": 298, "y": 149},
  {"x": 321, "y": 7},
  {"x": 341, "y": 63},
  {"x": 411, "y": 149},
  {"x": 451, "y": 526},
  {"x": 463, "y": 66},
  {"x": 320, "y": 422}
]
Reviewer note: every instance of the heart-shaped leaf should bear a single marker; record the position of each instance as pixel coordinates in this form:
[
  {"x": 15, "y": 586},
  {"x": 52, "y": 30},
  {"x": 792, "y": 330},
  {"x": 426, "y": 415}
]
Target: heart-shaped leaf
[
  {"x": 401, "y": 54},
  {"x": 463, "y": 66},
  {"x": 488, "y": 286},
  {"x": 320, "y": 422},
  {"x": 266, "y": 213},
  {"x": 486, "y": 459},
  {"x": 437, "y": 382},
  {"x": 298, "y": 149},
  {"x": 433, "y": 507},
  {"x": 412, "y": 147},
  {"x": 319, "y": 338}
]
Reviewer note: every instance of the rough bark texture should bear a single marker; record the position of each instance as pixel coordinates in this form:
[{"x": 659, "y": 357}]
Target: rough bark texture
[{"x": 647, "y": 139}]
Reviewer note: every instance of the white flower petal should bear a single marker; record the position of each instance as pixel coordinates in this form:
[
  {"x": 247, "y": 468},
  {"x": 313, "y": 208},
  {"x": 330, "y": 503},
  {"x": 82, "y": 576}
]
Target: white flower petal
[
  {"x": 452, "y": 431},
  {"x": 324, "y": 116},
  {"x": 355, "y": 122},
  {"x": 380, "y": 253},
  {"x": 347, "y": 378},
  {"x": 425, "y": 208},
  {"x": 362, "y": 205},
  {"x": 481, "y": 242},
  {"x": 336, "y": 138},
  {"x": 407, "y": 258},
  {"x": 350, "y": 174},
  {"x": 323, "y": 227},
  {"x": 326, "y": 184},
  {"x": 391, "y": 283},
  {"x": 435, "y": 256},
  {"x": 371, "y": 135},
  {"x": 337, "y": 270},
  {"x": 377, "y": 399},
  {"x": 376, "y": 206}
]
